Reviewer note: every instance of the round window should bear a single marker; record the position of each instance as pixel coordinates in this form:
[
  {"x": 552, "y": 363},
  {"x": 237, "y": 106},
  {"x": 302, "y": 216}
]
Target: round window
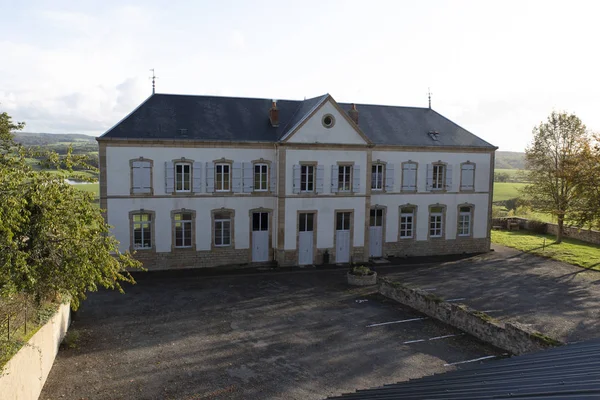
[{"x": 328, "y": 121}]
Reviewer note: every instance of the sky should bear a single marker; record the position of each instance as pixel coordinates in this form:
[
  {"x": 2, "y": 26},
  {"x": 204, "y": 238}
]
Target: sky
[{"x": 497, "y": 68}]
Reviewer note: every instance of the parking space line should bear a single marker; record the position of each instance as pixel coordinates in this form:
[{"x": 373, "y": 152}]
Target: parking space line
[
  {"x": 459, "y": 299},
  {"x": 433, "y": 338},
  {"x": 397, "y": 322},
  {"x": 470, "y": 361}
]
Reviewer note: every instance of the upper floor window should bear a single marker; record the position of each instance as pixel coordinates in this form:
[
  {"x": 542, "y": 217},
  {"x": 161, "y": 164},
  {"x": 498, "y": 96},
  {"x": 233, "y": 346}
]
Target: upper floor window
[
  {"x": 345, "y": 178},
  {"x": 467, "y": 176},
  {"x": 261, "y": 177},
  {"x": 409, "y": 176},
  {"x": 307, "y": 178},
  {"x": 182, "y": 226},
  {"x": 222, "y": 177},
  {"x": 436, "y": 222},
  {"x": 377, "y": 176},
  {"x": 142, "y": 231},
  {"x": 141, "y": 176},
  {"x": 407, "y": 222},
  {"x": 465, "y": 214},
  {"x": 439, "y": 176},
  {"x": 183, "y": 177}
]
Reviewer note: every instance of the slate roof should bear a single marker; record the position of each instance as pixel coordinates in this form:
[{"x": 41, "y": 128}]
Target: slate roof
[
  {"x": 214, "y": 118},
  {"x": 570, "y": 372}
]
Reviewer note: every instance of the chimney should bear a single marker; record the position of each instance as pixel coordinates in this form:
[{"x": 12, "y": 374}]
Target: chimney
[
  {"x": 274, "y": 114},
  {"x": 353, "y": 113}
]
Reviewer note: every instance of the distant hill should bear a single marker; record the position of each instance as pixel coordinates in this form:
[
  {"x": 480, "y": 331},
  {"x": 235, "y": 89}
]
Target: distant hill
[
  {"x": 43, "y": 139},
  {"x": 510, "y": 160}
]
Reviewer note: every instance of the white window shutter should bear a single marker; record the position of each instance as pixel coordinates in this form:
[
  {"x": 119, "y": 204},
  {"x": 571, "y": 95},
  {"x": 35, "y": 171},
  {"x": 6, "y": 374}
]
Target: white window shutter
[
  {"x": 448, "y": 177},
  {"x": 429, "y": 181},
  {"x": 468, "y": 177},
  {"x": 210, "y": 177},
  {"x": 389, "y": 177},
  {"x": 356, "y": 178},
  {"x": 296, "y": 178},
  {"x": 197, "y": 177},
  {"x": 236, "y": 177},
  {"x": 146, "y": 177},
  {"x": 413, "y": 176},
  {"x": 320, "y": 178},
  {"x": 248, "y": 177},
  {"x": 334, "y": 178},
  {"x": 136, "y": 177},
  {"x": 169, "y": 177},
  {"x": 273, "y": 178},
  {"x": 406, "y": 177}
]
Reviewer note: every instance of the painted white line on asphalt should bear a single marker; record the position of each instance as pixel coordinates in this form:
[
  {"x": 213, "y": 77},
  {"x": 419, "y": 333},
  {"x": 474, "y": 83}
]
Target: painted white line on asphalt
[
  {"x": 470, "y": 361},
  {"x": 433, "y": 338},
  {"x": 451, "y": 300},
  {"x": 489, "y": 311},
  {"x": 397, "y": 322}
]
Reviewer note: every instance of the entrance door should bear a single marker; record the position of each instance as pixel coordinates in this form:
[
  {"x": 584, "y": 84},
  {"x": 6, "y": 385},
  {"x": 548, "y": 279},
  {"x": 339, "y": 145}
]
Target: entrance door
[
  {"x": 305, "y": 238},
  {"x": 376, "y": 233},
  {"x": 260, "y": 236},
  {"x": 342, "y": 237}
]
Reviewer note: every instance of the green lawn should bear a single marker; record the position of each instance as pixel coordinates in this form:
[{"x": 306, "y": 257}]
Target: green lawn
[
  {"x": 88, "y": 187},
  {"x": 507, "y": 190},
  {"x": 571, "y": 251}
]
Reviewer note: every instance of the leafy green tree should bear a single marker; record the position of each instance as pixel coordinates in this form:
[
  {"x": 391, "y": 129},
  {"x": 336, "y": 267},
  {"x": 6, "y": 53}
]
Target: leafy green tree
[
  {"x": 553, "y": 159},
  {"x": 501, "y": 177},
  {"x": 53, "y": 240},
  {"x": 588, "y": 188}
]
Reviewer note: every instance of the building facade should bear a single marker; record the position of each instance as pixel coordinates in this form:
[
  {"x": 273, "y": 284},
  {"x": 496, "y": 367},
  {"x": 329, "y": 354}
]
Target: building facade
[{"x": 202, "y": 181}]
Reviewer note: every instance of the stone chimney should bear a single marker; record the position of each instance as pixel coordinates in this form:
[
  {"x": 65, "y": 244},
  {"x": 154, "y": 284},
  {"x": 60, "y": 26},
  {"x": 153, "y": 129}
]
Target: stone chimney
[
  {"x": 353, "y": 113},
  {"x": 274, "y": 114}
]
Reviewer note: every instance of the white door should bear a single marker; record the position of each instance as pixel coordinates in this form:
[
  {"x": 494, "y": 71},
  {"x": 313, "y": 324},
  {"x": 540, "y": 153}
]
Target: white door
[
  {"x": 260, "y": 236},
  {"x": 376, "y": 233},
  {"x": 305, "y": 238},
  {"x": 342, "y": 237}
]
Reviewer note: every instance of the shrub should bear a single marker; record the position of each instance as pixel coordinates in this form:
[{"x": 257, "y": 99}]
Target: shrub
[
  {"x": 537, "y": 226},
  {"x": 361, "y": 271}
]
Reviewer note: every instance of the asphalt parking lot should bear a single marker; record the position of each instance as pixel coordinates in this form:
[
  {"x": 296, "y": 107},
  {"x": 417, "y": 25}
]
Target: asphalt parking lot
[{"x": 300, "y": 335}]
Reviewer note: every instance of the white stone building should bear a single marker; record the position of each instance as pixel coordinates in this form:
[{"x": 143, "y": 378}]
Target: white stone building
[{"x": 198, "y": 181}]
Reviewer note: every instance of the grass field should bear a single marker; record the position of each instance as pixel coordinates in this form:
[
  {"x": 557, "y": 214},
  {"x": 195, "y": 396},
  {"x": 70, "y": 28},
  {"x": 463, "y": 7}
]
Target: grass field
[
  {"x": 507, "y": 190},
  {"x": 571, "y": 251}
]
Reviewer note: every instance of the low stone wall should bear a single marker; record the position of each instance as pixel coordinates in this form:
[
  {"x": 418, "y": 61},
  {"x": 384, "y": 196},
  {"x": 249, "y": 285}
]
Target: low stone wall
[
  {"x": 23, "y": 377},
  {"x": 585, "y": 235},
  {"x": 435, "y": 247},
  {"x": 513, "y": 337}
]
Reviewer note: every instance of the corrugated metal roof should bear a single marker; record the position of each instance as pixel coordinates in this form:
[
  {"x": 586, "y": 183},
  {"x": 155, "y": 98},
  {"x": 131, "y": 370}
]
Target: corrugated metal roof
[
  {"x": 214, "y": 118},
  {"x": 569, "y": 372}
]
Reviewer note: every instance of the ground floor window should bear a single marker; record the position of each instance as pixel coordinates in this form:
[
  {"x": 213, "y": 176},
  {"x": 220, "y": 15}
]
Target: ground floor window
[
  {"x": 407, "y": 221},
  {"x": 464, "y": 221},
  {"x": 222, "y": 229},
  {"x": 342, "y": 222},
  {"x": 183, "y": 229},
  {"x": 142, "y": 231},
  {"x": 436, "y": 222}
]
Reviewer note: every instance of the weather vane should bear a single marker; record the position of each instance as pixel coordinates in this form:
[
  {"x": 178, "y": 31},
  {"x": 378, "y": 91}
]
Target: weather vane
[{"x": 153, "y": 77}]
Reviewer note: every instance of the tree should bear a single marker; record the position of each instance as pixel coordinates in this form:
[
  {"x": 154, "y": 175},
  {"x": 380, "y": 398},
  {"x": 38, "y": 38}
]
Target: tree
[
  {"x": 588, "y": 186},
  {"x": 53, "y": 239},
  {"x": 501, "y": 177},
  {"x": 553, "y": 158}
]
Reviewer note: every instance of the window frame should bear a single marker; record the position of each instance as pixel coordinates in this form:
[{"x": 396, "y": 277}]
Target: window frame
[
  {"x": 461, "y": 176},
  {"x": 267, "y": 182},
  {"x": 231, "y": 214},
  {"x": 375, "y": 174},
  {"x": 141, "y": 159},
  {"x": 191, "y": 221},
  {"x": 442, "y": 182},
  {"x": 412, "y": 190},
  {"x": 313, "y": 168},
  {"x": 183, "y": 163},
  {"x": 459, "y": 224},
  {"x": 349, "y": 175},
  {"x": 413, "y": 215},
  {"x": 222, "y": 164},
  {"x": 132, "y": 215},
  {"x": 442, "y": 221}
]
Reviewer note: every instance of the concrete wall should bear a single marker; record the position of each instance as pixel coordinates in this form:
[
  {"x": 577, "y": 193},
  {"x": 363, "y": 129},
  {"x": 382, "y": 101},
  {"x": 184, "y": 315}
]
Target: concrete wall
[
  {"x": 512, "y": 337},
  {"x": 23, "y": 377}
]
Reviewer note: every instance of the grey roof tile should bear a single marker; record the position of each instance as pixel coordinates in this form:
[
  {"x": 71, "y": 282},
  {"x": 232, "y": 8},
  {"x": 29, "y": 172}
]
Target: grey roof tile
[{"x": 214, "y": 118}]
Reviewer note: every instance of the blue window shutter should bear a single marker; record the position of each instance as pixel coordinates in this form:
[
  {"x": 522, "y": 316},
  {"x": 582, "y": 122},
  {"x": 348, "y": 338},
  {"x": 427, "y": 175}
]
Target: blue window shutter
[
  {"x": 356, "y": 178},
  {"x": 320, "y": 178},
  {"x": 389, "y": 177},
  {"x": 449, "y": 177},
  {"x": 169, "y": 177},
  {"x": 429, "y": 182},
  {"x": 210, "y": 177},
  {"x": 273, "y": 178},
  {"x": 197, "y": 177},
  {"x": 248, "y": 177},
  {"x": 296, "y": 178},
  {"x": 334, "y": 178},
  {"x": 236, "y": 177}
]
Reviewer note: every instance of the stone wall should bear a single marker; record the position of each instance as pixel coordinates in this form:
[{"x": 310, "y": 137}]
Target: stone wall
[
  {"x": 24, "y": 375},
  {"x": 181, "y": 259},
  {"x": 434, "y": 247},
  {"x": 585, "y": 235},
  {"x": 513, "y": 337}
]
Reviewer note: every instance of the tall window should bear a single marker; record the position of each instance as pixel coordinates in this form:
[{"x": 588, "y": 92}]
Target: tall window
[
  {"x": 183, "y": 177},
  {"x": 261, "y": 181},
  {"x": 222, "y": 229},
  {"x": 407, "y": 222},
  {"x": 307, "y": 178},
  {"x": 409, "y": 176},
  {"x": 183, "y": 229},
  {"x": 345, "y": 178},
  {"x": 439, "y": 176},
  {"x": 142, "y": 231},
  {"x": 464, "y": 221},
  {"x": 377, "y": 177},
  {"x": 436, "y": 222},
  {"x": 223, "y": 177}
]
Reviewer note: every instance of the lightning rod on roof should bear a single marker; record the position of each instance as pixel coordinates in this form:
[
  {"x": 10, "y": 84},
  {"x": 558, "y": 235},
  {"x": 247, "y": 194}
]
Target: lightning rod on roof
[
  {"x": 429, "y": 96},
  {"x": 153, "y": 77}
]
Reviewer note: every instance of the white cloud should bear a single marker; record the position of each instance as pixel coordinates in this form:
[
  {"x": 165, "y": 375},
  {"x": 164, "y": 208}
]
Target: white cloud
[{"x": 237, "y": 39}]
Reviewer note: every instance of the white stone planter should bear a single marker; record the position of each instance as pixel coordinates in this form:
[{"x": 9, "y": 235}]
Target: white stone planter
[{"x": 357, "y": 280}]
